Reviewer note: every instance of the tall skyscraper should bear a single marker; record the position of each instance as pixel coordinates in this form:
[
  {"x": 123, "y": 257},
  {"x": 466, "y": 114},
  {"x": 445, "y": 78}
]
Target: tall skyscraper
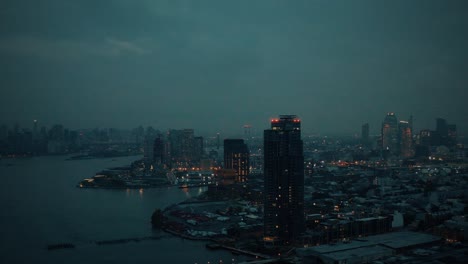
[
  {"x": 390, "y": 134},
  {"x": 236, "y": 157},
  {"x": 365, "y": 134},
  {"x": 284, "y": 181},
  {"x": 406, "y": 139}
]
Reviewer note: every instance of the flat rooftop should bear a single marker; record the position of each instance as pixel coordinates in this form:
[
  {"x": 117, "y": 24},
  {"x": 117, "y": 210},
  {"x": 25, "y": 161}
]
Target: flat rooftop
[
  {"x": 394, "y": 240},
  {"x": 402, "y": 239},
  {"x": 330, "y": 248},
  {"x": 361, "y": 252}
]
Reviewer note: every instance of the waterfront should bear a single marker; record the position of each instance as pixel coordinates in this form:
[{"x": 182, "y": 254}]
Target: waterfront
[{"x": 41, "y": 206}]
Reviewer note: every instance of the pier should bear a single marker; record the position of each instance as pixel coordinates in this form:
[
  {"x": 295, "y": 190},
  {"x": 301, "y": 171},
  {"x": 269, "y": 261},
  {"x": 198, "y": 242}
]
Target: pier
[{"x": 245, "y": 252}]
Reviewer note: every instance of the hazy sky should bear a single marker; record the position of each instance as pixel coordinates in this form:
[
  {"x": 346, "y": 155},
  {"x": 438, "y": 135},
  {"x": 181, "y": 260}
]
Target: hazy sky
[{"x": 216, "y": 65}]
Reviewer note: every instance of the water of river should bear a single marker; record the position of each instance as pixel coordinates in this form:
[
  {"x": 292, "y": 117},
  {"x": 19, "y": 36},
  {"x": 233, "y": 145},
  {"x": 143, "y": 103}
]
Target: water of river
[{"x": 40, "y": 205}]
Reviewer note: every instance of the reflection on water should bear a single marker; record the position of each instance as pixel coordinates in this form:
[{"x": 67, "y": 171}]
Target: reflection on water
[
  {"x": 200, "y": 190},
  {"x": 187, "y": 193}
]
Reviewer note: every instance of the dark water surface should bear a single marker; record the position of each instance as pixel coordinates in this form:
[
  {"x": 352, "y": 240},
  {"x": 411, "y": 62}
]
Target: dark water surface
[{"x": 40, "y": 205}]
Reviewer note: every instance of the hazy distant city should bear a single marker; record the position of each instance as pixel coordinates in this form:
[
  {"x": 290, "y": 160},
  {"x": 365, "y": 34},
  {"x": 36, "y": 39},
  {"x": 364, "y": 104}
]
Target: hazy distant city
[
  {"x": 317, "y": 132},
  {"x": 396, "y": 138}
]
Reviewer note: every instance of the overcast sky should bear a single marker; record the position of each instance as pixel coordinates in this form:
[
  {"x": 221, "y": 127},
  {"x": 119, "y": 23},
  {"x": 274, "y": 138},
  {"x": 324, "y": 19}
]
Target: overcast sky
[{"x": 216, "y": 65}]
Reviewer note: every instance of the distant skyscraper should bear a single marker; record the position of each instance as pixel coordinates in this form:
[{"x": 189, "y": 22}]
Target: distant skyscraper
[
  {"x": 150, "y": 135},
  {"x": 425, "y": 137},
  {"x": 148, "y": 149},
  {"x": 442, "y": 127},
  {"x": 390, "y": 134},
  {"x": 411, "y": 122},
  {"x": 365, "y": 134},
  {"x": 247, "y": 132},
  {"x": 198, "y": 148},
  {"x": 181, "y": 146},
  {"x": 452, "y": 135},
  {"x": 159, "y": 151},
  {"x": 187, "y": 144},
  {"x": 138, "y": 134},
  {"x": 284, "y": 181},
  {"x": 35, "y": 129},
  {"x": 442, "y": 131},
  {"x": 406, "y": 139},
  {"x": 236, "y": 157},
  {"x": 446, "y": 132}
]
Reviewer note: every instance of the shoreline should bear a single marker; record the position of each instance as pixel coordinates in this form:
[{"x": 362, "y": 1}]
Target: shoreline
[
  {"x": 211, "y": 242},
  {"x": 124, "y": 188},
  {"x": 218, "y": 245},
  {"x": 185, "y": 236}
]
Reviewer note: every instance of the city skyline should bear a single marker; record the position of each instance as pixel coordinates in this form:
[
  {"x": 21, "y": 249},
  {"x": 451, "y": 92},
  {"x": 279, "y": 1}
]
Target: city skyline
[
  {"x": 217, "y": 66},
  {"x": 374, "y": 129}
]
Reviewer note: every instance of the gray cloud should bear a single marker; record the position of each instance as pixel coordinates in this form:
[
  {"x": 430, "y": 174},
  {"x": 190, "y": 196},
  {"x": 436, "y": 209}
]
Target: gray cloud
[
  {"x": 63, "y": 49},
  {"x": 121, "y": 46},
  {"x": 215, "y": 65}
]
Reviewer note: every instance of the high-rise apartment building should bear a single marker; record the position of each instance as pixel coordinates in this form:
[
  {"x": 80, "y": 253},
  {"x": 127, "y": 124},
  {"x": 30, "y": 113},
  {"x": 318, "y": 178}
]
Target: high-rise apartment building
[
  {"x": 284, "y": 181},
  {"x": 236, "y": 157},
  {"x": 181, "y": 146},
  {"x": 390, "y": 134},
  {"x": 406, "y": 139}
]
